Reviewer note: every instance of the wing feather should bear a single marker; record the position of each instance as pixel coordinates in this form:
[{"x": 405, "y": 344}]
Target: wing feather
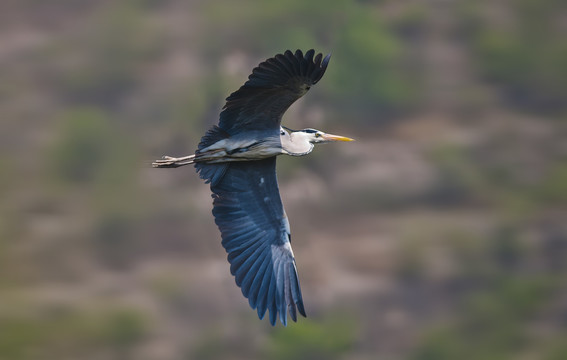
[
  {"x": 255, "y": 234},
  {"x": 253, "y": 282},
  {"x": 270, "y": 90}
]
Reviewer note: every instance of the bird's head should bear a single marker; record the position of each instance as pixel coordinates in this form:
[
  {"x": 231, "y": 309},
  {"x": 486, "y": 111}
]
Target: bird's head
[{"x": 312, "y": 136}]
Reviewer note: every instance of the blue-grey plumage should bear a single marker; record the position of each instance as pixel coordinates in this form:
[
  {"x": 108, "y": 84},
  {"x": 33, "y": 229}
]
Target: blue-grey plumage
[
  {"x": 255, "y": 233},
  {"x": 238, "y": 159},
  {"x": 272, "y": 87}
]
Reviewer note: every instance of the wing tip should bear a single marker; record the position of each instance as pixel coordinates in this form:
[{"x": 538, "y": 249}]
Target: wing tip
[
  {"x": 292, "y": 311},
  {"x": 291, "y": 63}
]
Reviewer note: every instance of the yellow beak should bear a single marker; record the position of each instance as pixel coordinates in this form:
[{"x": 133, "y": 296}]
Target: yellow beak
[{"x": 330, "y": 137}]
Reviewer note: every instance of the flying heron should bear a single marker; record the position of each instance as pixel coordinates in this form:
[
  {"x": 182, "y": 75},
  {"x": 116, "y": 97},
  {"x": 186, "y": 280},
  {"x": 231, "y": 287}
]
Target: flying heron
[{"x": 238, "y": 158}]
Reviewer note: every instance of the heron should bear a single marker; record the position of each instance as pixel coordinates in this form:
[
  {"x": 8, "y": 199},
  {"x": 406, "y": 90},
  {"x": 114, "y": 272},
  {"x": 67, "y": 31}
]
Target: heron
[{"x": 237, "y": 158}]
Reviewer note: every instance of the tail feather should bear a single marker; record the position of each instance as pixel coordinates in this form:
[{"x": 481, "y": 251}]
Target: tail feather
[
  {"x": 213, "y": 135},
  {"x": 211, "y": 173}
]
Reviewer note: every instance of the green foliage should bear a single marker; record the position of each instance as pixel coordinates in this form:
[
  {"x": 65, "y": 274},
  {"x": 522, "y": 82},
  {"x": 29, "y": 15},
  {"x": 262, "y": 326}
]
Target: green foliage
[
  {"x": 519, "y": 49},
  {"x": 329, "y": 339},
  {"x": 460, "y": 178},
  {"x": 275, "y": 26},
  {"x": 554, "y": 187},
  {"x": 83, "y": 147},
  {"x": 210, "y": 347},
  {"x": 65, "y": 334},
  {"x": 411, "y": 22},
  {"x": 491, "y": 325},
  {"x": 90, "y": 149},
  {"x": 494, "y": 317},
  {"x": 313, "y": 340},
  {"x": 114, "y": 243},
  {"x": 123, "y": 328},
  {"x": 557, "y": 351},
  {"x": 110, "y": 58},
  {"x": 367, "y": 75},
  {"x": 91, "y": 154},
  {"x": 215, "y": 342}
]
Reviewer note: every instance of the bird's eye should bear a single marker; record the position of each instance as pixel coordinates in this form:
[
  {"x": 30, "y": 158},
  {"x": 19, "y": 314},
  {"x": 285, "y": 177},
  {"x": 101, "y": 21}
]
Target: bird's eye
[
  {"x": 317, "y": 135},
  {"x": 282, "y": 132}
]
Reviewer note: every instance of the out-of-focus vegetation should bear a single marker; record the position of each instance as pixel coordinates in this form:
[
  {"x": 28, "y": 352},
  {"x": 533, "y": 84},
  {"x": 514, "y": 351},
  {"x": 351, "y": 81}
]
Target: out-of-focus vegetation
[
  {"x": 440, "y": 234},
  {"x": 519, "y": 45},
  {"x": 357, "y": 33},
  {"x": 65, "y": 334}
]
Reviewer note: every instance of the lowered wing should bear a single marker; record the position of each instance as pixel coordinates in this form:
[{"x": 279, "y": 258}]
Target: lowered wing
[{"x": 255, "y": 233}]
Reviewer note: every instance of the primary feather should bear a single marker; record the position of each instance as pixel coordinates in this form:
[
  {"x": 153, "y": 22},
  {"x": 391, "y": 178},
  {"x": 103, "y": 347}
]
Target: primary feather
[{"x": 270, "y": 90}]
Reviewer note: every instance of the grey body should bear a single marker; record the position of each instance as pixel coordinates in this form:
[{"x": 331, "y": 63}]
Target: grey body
[{"x": 257, "y": 146}]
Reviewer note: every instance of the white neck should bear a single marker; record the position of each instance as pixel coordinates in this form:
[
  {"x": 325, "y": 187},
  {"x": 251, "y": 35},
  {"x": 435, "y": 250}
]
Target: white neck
[{"x": 296, "y": 143}]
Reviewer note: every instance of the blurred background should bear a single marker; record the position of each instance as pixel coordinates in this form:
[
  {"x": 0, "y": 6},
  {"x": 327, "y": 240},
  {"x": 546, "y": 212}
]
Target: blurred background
[{"x": 440, "y": 234}]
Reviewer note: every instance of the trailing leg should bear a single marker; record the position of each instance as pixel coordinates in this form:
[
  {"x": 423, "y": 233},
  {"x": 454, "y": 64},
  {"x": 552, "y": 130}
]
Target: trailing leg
[{"x": 173, "y": 162}]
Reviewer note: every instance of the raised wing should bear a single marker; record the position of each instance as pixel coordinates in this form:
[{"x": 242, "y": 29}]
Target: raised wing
[
  {"x": 270, "y": 90},
  {"x": 255, "y": 233}
]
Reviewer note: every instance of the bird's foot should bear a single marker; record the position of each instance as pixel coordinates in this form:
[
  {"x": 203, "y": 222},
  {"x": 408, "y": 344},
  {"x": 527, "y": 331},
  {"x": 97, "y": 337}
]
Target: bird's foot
[{"x": 173, "y": 162}]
